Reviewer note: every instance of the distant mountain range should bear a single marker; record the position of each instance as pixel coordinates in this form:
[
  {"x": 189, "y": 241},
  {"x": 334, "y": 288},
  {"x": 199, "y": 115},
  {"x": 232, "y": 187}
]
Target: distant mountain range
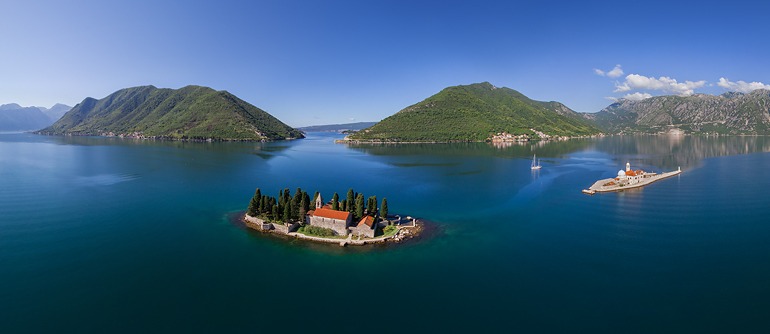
[
  {"x": 475, "y": 113},
  {"x": 460, "y": 113},
  {"x": 188, "y": 113},
  {"x": 337, "y": 127},
  {"x": 14, "y": 117},
  {"x": 729, "y": 113}
]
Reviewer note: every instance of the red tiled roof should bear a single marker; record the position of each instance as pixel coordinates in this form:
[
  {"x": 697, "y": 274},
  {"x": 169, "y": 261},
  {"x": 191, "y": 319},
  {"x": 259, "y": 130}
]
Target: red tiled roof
[
  {"x": 329, "y": 213},
  {"x": 368, "y": 220}
]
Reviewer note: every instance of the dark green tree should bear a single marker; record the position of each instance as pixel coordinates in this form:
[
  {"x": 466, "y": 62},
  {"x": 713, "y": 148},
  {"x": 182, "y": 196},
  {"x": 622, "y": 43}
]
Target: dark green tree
[
  {"x": 335, "y": 202},
  {"x": 258, "y": 197},
  {"x": 264, "y": 205},
  {"x": 253, "y": 208},
  {"x": 302, "y": 209},
  {"x": 275, "y": 212},
  {"x": 308, "y": 203},
  {"x": 287, "y": 213},
  {"x": 384, "y": 208},
  {"x": 371, "y": 206},
  {"x": 344, "y": 205},
  {"x": 359, "y": 206},
  {"x": 286, "y": 196},
  {"x": 297, "y": 197},
  {"x": 350, "y": 199}
]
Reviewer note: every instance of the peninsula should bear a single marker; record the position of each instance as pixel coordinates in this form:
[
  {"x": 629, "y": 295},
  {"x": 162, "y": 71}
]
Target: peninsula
[
  {"x": 191, "y": 113},
  {"x": 477, "y": 113},
  {"x": 628, "y": 179},
  {"x": 349, "y": 221}
]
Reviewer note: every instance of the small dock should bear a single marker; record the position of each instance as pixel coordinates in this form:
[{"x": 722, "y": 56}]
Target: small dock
[{"x": 610, "y": 185}]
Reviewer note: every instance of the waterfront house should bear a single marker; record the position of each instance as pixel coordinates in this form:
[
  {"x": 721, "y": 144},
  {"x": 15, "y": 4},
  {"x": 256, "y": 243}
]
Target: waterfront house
[
  {"x": 366, "y": 227},
  {"x": 325, "y": 216}
]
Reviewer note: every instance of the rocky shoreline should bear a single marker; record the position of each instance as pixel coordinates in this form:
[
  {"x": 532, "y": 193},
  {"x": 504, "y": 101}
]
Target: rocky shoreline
[{"x": 407, "y": 231}]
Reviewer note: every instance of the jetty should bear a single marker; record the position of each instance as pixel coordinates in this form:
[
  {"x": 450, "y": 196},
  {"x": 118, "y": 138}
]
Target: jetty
[{"x": 628, "y": 179}]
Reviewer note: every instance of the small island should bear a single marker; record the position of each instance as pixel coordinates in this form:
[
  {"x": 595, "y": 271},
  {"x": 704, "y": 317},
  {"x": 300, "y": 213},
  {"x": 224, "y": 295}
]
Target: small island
[
  {"x": 350, "y": 221},
  {"x": 628, "y": 179}
]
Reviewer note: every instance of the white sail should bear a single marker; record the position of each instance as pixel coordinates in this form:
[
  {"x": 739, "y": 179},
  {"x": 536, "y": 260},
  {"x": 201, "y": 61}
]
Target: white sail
[{"x": 535, "y": 163}]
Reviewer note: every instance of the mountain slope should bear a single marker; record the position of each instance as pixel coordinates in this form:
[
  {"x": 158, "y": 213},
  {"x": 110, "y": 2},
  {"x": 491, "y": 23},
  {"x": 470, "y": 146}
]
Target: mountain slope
[
  {"x": 191, "y": 112},
  {"x": 729, "y": 113},
  {"x": 14, "y": 117},
  {"x": 474, "y": 113},
  {"x": 56, "y": 112}
]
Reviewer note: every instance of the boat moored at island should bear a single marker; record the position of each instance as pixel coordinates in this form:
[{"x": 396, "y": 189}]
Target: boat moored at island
[{"x": 628, "y": 179}]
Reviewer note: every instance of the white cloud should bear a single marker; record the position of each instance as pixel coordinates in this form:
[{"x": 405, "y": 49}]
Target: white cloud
[
  {"x": 637, "y": 96},
  {"x": 613, "y": 73},
  {"x": 741, "y": 86},
  {"x": 666, "y": 84}
]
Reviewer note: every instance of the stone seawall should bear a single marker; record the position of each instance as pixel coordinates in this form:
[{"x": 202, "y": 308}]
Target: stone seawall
[{"x": 259, "y": 224}]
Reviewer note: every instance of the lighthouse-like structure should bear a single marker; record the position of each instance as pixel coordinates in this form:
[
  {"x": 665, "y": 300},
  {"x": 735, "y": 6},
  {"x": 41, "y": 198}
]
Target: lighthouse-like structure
[{"x": 628, "y": 166}]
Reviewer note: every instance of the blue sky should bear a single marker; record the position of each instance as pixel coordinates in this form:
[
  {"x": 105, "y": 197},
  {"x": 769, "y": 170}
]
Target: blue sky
[{"x": 321, "y": 62}]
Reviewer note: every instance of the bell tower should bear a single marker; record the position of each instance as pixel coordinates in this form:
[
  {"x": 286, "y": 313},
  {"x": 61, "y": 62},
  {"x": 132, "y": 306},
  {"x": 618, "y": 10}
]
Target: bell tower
[
  {"x": 628, "y": 166},
  {"x": 319, "y": 203}
]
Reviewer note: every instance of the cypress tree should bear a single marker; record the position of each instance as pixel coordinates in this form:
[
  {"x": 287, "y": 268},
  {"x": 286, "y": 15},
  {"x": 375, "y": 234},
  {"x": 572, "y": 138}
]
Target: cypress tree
[
  {"x": 359, "y": 206},
  {"x": 252, "y": 209},
  {"x": 307, "y": 201},
  {"x": 297, "y": 197},
  {"x": 384, "y": 208},
  {"x": 275, "y": 212},
  {"x": 286, "y": 196},
  {"x": 287, "y": 213},
  {"x": 335, "y": 200},
  {"x": 258, "y": 199},
  {"x": 344, "y": 205},
  {"x": 371, "y": 206},
  {"x": 302, "y": 209},
  {"x": 265, "y": 206},
  {"x": 350, "y": 198}
]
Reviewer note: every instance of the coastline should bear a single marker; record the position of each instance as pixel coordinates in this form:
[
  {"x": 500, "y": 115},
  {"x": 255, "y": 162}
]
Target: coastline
[
  {"x": 407, "y": 231},
  {"x": 385, "y": 141},
  {"x": 165, "y": 138}
]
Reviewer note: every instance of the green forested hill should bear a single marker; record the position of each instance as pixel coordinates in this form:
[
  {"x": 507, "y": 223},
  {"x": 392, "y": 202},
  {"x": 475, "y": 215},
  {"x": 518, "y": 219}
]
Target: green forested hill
[
  {"x": 474, "y": 113},
  {"x": 191, "y": 112}
]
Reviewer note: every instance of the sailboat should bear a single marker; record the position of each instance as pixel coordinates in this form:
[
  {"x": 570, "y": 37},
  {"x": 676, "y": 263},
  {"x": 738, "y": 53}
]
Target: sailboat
[{"x": 535, "y": 163}]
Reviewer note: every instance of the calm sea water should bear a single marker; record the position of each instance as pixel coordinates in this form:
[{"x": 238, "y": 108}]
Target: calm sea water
[{"x": 110, "y": 235}]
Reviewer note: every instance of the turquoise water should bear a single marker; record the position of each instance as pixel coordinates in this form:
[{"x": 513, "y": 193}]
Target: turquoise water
[{"x": 111, "y": 235}]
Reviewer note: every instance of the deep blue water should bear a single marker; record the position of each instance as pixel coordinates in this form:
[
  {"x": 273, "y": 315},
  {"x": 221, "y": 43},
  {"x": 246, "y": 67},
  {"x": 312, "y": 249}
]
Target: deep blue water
[{"x": 111, "y": 235}]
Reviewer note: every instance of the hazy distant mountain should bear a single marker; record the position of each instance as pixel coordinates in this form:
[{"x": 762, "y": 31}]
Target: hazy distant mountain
[
  {"x": 474, "y": 113},
  {"x": 729, "y": 113},
  {"x": 56, "y": 112},
  {"x": 191, "y": 112},
  {"x": 337, "y": 127},
  {"x": 14, "y": 117}
]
